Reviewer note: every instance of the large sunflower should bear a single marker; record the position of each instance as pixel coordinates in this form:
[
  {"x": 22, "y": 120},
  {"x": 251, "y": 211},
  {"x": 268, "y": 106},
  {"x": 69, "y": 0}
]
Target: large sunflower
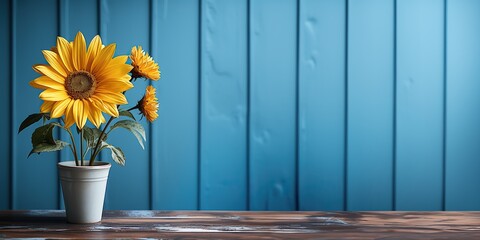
[{"x": 81, "y": 83}]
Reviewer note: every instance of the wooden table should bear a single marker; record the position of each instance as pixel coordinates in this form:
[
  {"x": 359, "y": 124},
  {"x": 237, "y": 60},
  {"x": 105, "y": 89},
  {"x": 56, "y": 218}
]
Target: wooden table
[{"x": 242, "y": 225}]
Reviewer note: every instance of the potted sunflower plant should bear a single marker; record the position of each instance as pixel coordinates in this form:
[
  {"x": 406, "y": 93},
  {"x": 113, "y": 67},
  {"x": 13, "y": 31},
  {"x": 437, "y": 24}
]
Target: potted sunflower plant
[{"x": 82, "y": 85}]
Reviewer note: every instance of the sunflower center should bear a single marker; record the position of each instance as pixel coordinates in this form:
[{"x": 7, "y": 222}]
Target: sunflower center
[{"x": 80, "y": 84}]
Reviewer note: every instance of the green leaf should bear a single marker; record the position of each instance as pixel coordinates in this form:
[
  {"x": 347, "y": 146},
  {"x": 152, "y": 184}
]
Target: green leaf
[
  {"x": 43, "y": 134},
  {"x": 134, "y": 127},
  {"x": 91, "y": 135},
  {"x": 126, "y": 113},
  {"x": 117, "y": 153},
  {"x": 42, "y": 139},
  {"x": 31, "y": 119},
  {"x": 47, "y": 147}
]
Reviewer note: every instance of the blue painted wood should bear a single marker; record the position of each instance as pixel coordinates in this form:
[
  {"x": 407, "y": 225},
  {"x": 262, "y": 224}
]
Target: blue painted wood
[
  {"x": 79, "y": 16},
  {"x": 223, "y": 105},
  {"x": 378, "y": 140},
  {"x": 35, "y": 184},
  {"x": 127, "y": 30},
  {"x": 419, "y": 88},
  {"x": 322, "y": 104},
  {"x": 73, "y": 20},
  {"x": 370, "y": 104},
  {"x": 463, "y": 113},
  {"x": 273, "y": 55},
  {"x": 175, "y": 43},
  {"x": 5, "y": 143}
]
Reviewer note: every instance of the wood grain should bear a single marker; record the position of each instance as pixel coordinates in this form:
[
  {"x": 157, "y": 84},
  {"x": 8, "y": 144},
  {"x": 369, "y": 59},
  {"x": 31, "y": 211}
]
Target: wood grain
[{"x": 242, "y": 225}]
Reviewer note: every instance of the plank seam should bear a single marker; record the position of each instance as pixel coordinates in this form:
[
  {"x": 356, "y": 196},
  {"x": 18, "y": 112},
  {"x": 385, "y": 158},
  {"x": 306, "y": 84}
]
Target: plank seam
[
  {"x": 60, "y": 154},
  {"x": 297, "y": 102},
  {"x": 394, "y": 152},
  {"x": 11, "y": 108},
  {"x": 99, "y": 15},
  {"x": 150, "y": 125},
  {"x": 12, "y": 103},
  {"x": 101, "y": 33},
  {"x": 199, "y": 103},
  {"x": 444, "y": 140},
  {"x": 247, "y": 139},
  {"x": 345, "y": 167}
]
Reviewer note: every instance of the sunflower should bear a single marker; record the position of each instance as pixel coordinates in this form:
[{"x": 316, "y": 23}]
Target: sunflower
[
  {"x": 148, "y": 105},
  {"x": 143, "y": 64},
  {"x": 82, "y": 83}
]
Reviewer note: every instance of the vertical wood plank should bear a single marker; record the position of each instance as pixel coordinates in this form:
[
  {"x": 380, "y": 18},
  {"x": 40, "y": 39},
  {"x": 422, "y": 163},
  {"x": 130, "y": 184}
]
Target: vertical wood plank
[
  {"x": 175, "y": 134},
  {"x": 370, "y": 104},
  {"x": 273, "y": 41},
  {"x": 420, "y": 48},
  {"x": 35, "y": 184},
  {"x": 223, "y": 105},
  {"x": 79, "y": 16},
  {"x": 126, "y": 23},
  {"x": 322, "y": 104},
  {"x": 5, "y": 74},
  {"x": 463, "y": 113}
]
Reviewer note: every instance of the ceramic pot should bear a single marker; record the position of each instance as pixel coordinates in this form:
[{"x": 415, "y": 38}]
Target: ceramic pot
[{"x": 83, "y": 190}]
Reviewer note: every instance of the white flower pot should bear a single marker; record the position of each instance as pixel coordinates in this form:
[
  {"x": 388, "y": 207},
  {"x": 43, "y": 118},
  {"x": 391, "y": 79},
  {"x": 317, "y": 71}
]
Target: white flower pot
[{"x": 83, "y": 190}]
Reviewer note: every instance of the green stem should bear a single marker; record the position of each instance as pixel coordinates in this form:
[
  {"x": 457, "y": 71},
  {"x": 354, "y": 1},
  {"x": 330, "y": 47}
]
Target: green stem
[
  {"x": 81, "y": 146},
  {"x": 96, "y": 150},
  {"x": 86, "y": 151},
  {"x": 73, "y": 143},
  {"x": 135, "y": 107},
  {"x": 71, "y": 148},
  {"x": 130, "y": 109}
]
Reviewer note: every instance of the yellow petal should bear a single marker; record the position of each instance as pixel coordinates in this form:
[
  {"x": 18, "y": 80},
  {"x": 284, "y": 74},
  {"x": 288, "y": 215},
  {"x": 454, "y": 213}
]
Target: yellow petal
[
  {"x": 35, "y": 85},
  {"x": 115, "y": 71},
  {"x": 69, "y": 120},
  {"x": 93, "y": 50},
  {"x": 44, "y": 82},
  {"x": 110, "y": 109},
  {"x": 111, "y": 97},
  {"x": 102, "y": 119},
  {"x": 53, "y": 95},
  {"x": 125, "y": 78},
  {"x": 92, "y": 113},
  {"x": 79, "y": 113},
  {"x": 46, "y": 107},
  {"x": 99, "y": 105},
  {"x": 59, "y": 108},
  {"x": 79, "y": 52},
  {"x": 97, "y": 102},
  {"x": 54, "y": 60},
  {"x": 65, "y": 52},
  {"x": 119, "y": 60},
  {"x": 86, "y": 110},
  {"x": 114, "y": 86},
  {"x": 49, "y": 72},
  {"x": 103, "y": 58}
]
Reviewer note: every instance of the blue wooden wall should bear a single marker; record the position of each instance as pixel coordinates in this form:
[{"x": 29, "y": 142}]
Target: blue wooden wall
[{"x": 268, "y": 104}]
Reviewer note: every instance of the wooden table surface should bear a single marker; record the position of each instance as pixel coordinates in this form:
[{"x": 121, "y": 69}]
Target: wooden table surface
[{"x": 242, "y": 225}]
